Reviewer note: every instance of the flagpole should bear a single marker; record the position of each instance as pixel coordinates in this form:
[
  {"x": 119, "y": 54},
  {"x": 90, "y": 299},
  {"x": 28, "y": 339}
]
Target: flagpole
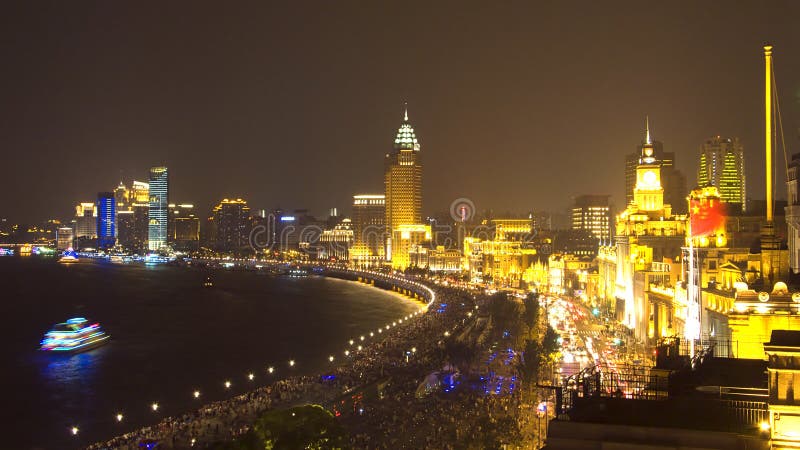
[{"x": 690, "y": 292}]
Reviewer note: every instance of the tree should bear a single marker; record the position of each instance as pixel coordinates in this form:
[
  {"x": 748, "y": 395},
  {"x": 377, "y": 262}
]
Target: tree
[
  {"x": 528, "y": 366},
  {"x": 460, "y": 354},
  {"x": 505, "y": 313},
  {"x": 531, "y": 314},
  {"x": 550, "y": 346},
  {"x": 301, "y": 427}
]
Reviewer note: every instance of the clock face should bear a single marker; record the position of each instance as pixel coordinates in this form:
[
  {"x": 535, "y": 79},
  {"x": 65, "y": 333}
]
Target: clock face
[{"x": 650, "y": 178}]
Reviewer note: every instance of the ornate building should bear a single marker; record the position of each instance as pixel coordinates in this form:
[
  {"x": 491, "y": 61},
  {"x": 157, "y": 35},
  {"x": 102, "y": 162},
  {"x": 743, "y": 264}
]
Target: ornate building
[
  {"x": 648, "y": 241},
  {"x": 672, "y": 180},
  {"x": 403, "y": 185}
]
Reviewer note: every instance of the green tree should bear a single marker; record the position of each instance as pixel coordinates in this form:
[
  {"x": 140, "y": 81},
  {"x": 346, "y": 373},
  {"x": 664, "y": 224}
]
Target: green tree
[
  {"x": 460, "y": 354},
  {"x": 301, "y": 427},
  {"x": 550, "y": 346},
  {"x": 531, "y": 314},
  {"x": 528, "y": 366}
]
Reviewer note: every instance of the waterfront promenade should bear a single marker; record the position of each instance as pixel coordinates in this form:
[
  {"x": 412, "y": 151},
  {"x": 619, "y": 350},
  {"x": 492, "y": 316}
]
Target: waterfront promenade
[{"x": 405, "y": 352}]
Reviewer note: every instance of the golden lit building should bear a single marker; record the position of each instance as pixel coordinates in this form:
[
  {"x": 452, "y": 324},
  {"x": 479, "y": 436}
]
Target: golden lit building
[
  {"x": 336, "y": 243},
  {"x": 439, "y": 259},
  {"x": 648, "y": 239},
  {"x": 140, "y": 192},
  {"x": 755, "y": 315},
  {"x": 504, "y": 262},
  {"x": 405, "y": 238},
  {"x": 369, "y": 230},
  {"x": 783, "y": 360},
  {"x": 403, "y": 187}
]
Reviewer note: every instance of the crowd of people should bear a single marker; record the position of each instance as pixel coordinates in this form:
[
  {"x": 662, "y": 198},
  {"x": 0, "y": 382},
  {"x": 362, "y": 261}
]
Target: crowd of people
[{"x": 374, "y": 393}]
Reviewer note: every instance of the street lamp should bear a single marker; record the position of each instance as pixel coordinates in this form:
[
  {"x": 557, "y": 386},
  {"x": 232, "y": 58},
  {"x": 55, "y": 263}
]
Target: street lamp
[
  {"x": 330, "y": 358},
  {"x": 154, "y": 406},
  {"x": 271, "y": 369},
  {"x": 250, "y": 376},
  {"x": 119, "y": 417},
  {"x": 196, "y": 394},
  {"x": 227, "y": 384},
  {"x": 74, "y": 431},
  {"x": 291, "y": 363}
]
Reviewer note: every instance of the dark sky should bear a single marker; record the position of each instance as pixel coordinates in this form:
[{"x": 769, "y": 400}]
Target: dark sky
[{"x": 517, "y": 105}]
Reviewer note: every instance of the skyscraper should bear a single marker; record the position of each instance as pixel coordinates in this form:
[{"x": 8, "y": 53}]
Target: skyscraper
[
  {"x": 106, "y": 220},
  {"x": 672, "y": 180},
  {"x": 721, "y": 164},
  {"x": 139, "y": 193},
  {"x": 592, "y": 213},
  {"x": 369, "y": 229},
  {"x": 184, "y": 227},
  {"x": 122, "y": 197},
  {"x": 232, "y": 225},
  {"x": 159, "y": 208},
  {"x": 64, "y": 238},
  {"x": 85, "y": 222},
  {"x": 403, "y": 181}
]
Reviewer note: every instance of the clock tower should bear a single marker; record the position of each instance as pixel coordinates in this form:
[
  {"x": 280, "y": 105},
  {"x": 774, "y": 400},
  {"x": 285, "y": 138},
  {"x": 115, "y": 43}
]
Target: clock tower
[{"x": 648, "y": 194}]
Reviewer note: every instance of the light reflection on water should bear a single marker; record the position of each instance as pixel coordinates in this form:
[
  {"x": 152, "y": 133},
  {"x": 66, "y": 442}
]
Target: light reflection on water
[
  {"x": 169, "y": 336},
  {"x": 69, "y": 369}
]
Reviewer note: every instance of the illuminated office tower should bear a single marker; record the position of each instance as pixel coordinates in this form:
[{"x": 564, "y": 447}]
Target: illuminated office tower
[
  {"x": 184, "y": 227},
  {"x": 106, "y": 220},
  {"x": 403, "y": 181},
  {"x": 722, "y": 165},
  {"x": 122, "y": 197},
  {"x": 158, "y": 214},
  {"x": 64, "y": 238},
  {"x": 85, "y": 223},
  {"x": 592, "y": 213},
  {"x": 125, "y": 229},
  {"x": 139, "y": 193},
  {"x": 369, "y": 229},
  {"x": 232, "y": 225}
]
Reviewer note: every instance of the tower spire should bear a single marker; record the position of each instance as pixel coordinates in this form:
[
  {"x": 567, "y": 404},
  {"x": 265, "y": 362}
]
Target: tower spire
[
  {"x": 647, "y": 130},
  {"x": 405, "y": 111}
]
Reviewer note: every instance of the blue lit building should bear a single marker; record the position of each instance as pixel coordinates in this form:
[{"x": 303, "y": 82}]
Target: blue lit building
[
  {"x": 159, "y": 208},
  {"x": 106, "y": 218}
]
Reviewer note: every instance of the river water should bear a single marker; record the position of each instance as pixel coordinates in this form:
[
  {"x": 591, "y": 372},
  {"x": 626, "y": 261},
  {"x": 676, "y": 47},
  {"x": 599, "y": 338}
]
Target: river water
[{"x": 169, "y": 337}]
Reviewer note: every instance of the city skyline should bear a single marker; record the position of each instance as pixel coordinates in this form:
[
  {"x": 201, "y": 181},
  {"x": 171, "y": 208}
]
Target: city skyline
[{"x": 229, "y": 110}]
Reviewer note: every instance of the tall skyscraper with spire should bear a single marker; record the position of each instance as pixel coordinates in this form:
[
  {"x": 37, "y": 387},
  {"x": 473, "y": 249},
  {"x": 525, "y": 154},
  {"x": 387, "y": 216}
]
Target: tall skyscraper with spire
[{"x": 403, "y": 182}]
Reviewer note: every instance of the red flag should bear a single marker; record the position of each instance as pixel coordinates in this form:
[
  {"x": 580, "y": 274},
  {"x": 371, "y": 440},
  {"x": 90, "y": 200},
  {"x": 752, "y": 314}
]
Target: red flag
[{"x": 706, "y": 215}]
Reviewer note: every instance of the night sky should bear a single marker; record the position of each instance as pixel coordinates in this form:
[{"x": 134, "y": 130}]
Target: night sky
[{"x": 518, "y": 106}]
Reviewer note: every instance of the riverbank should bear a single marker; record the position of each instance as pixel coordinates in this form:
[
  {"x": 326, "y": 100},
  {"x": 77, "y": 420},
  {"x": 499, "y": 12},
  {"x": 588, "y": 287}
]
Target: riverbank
[{"x": 366, "y": 358}]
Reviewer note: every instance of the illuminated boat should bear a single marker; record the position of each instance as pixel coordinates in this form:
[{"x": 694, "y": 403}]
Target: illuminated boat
[
  {"x": 73, "y": 336},
  {"x": 68, "y": 256},
  {"x": 298, "y": 272}
]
